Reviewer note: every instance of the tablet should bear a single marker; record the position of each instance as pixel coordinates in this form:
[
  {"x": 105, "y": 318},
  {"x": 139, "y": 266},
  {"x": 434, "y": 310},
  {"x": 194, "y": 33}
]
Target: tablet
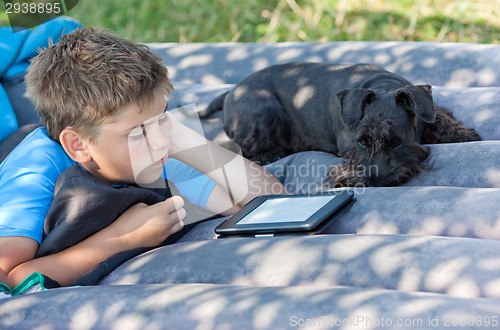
[{"x": 286, "y": 214}]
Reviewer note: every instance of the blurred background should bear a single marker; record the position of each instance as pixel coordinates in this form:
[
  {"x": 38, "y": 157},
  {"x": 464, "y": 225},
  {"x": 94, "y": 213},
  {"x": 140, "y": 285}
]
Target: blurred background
[{"x": 475, "y": 21}]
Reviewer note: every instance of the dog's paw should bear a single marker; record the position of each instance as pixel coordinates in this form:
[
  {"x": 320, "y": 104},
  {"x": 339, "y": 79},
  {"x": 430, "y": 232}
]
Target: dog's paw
[{"x": 473, "y": 135}]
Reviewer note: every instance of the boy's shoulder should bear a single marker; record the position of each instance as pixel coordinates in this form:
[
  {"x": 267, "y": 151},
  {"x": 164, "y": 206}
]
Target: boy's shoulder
[
  {"x": 39, "y": 153},
  {"x": 27, "y": 179}
]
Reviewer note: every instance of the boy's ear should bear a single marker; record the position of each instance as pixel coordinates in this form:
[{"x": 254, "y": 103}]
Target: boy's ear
[{"x": 74, "y": 145}]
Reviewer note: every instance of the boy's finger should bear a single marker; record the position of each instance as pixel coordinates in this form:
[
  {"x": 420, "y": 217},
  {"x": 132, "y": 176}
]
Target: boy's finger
[
  {"x": 175, "y": 215},
  {"x": 171, "y": 204},
  {"x": 178, "y": 202},
  {"x": 177, "y": 226},
  {"x": 181, "y": 214}
]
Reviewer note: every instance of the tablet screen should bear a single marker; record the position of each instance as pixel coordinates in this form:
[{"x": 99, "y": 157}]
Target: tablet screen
[{"x": 285, "y": 210}]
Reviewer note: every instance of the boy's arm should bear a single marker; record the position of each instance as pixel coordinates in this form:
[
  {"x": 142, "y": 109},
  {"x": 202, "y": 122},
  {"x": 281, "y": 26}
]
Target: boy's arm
[
  {"x": 140, "y": 226},
  {"x": 15, "y": 251},
  {"x": 17, "y": 258},
  {"x": 239, "y": 177}
]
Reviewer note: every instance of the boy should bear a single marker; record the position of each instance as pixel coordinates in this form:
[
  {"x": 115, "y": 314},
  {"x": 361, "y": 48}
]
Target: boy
[{"x": 92, "y": 91}]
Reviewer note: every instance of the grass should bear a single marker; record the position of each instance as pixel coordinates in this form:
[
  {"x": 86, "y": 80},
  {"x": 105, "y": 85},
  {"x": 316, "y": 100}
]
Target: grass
[{"x": 293, "y": 20}]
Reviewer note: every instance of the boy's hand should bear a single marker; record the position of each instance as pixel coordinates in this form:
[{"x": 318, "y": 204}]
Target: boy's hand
[
  {"x": 149, "y": 225},
  {"x": 139, "y": 226}
]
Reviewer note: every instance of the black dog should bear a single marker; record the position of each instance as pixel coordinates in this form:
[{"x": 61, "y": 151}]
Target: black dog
[{"x": 374, "y": 118}]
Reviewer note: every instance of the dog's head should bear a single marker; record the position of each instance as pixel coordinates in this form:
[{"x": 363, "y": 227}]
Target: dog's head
[{"x": 385, "y": 150}]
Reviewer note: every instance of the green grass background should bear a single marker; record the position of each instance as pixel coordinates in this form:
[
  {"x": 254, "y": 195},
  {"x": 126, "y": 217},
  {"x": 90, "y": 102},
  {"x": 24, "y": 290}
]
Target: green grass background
[{"x": 293, "y": 20}]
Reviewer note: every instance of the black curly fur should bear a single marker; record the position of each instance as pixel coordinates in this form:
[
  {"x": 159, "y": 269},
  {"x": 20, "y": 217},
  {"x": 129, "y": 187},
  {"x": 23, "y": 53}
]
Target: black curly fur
[
  {"x": 446, "y": 129},
  {"x": 362, "y": 167},
  {"x": 377, "y": 121},
  {"x": 352, "y": 173},
  {"x": 408, "y": 161}
]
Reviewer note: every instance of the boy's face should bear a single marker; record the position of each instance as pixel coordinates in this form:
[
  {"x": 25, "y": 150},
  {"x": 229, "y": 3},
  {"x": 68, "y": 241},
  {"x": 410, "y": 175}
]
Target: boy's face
[{"x": 134, "y": 148}]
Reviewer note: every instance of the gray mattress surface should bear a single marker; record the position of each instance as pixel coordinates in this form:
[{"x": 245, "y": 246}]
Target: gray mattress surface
[{"x": 424, "y": 255}]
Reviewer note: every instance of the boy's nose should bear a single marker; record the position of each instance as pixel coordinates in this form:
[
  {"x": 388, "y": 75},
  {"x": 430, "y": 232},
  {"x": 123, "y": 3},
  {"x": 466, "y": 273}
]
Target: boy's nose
[{"x": 157, "y": 138}]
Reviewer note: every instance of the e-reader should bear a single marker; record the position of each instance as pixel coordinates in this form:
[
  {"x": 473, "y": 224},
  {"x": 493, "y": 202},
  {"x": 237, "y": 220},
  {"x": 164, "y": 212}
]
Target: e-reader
[{"x": 272, "y": 215}]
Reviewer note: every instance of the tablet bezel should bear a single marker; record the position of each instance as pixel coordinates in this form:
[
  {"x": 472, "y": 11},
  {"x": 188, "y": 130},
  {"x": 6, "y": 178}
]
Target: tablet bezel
[{"x": 339, "y": 200}]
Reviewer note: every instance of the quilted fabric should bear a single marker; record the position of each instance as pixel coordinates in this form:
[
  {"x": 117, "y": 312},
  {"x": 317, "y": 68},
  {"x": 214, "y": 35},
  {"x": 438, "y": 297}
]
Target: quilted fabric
[{"x": 422, "y": 255}]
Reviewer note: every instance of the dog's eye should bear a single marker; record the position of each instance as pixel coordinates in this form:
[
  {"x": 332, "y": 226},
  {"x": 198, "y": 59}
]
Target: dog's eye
[
  {"x": 396, "y": 142},
  {"x": 362, "y": 143}
]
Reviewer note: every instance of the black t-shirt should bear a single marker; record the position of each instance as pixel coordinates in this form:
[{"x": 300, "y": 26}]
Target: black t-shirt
[{"x": 83, "y": 206}]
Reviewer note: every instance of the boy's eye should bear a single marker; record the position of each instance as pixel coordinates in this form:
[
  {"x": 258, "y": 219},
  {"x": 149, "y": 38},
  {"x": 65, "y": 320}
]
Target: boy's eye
[
  {"x": 140, "y": 133},
  {"x": 136, "y": 137},
  {"x": 137, "y": 134},
  {"x": 163, "y": 117}
]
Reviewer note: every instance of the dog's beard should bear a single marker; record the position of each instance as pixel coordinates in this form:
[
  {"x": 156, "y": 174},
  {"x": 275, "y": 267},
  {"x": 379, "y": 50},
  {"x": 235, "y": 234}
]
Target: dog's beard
[{"x": 355, "y": 173}]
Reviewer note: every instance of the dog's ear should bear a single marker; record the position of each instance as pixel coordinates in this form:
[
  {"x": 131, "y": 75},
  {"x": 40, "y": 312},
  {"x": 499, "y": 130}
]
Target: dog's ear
[
  {"x": 352, "y": 102},
  {"x": 418, "y": 101}
]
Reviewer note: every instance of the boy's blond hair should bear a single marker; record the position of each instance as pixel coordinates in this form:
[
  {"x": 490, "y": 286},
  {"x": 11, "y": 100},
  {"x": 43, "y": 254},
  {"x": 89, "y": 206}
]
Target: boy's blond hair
[{"x": 83, "y": 80}]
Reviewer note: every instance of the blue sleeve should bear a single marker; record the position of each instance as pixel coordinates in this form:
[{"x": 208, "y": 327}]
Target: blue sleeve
[
  {"x": 27, "y": 181},
  {"x": 8, "y": 121},
  {"x": 191, "y": 183}
]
